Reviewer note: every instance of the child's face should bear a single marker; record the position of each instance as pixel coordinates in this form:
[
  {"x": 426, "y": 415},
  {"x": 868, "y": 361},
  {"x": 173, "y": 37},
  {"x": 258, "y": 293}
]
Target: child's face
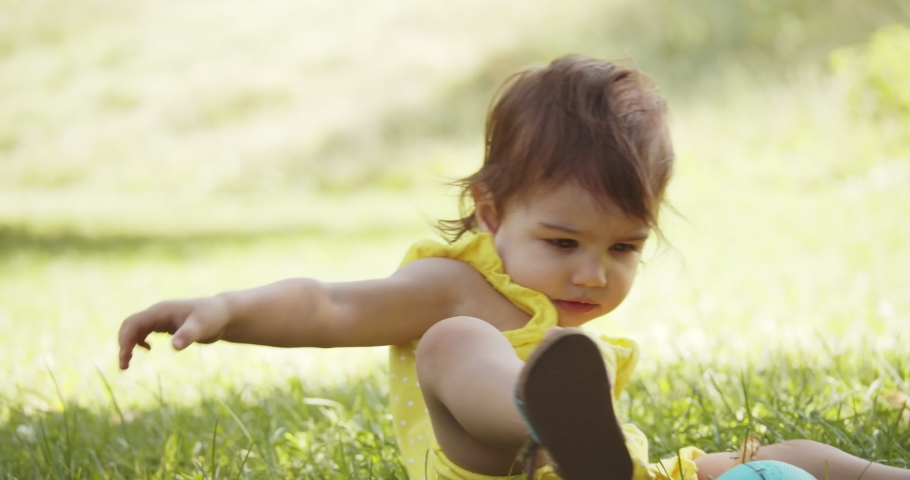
[{"x": 564, "y": 243}]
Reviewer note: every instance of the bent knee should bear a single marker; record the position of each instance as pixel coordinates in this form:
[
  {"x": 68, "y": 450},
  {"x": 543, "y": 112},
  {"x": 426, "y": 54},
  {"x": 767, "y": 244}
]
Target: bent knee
[
  {"x": 446, "y": 336},
  {"x": 446, "y": 341}
]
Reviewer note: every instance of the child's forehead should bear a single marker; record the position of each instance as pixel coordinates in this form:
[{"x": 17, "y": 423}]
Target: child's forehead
[
  {"x": 573, "y": 206},
  {"x": 568, "y": 196}
]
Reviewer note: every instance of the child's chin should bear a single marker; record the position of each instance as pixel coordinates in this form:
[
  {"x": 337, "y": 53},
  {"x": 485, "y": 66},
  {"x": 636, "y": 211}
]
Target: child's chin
[{"x": 573, "y": 320}]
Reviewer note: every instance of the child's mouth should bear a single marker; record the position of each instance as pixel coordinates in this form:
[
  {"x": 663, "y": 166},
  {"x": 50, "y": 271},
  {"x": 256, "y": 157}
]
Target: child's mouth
[{"x": 574, "y": 307}]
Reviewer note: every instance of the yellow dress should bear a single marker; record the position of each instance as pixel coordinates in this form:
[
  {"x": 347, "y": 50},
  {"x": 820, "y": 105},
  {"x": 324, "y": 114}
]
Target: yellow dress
[{"x": 421, "y": 454}]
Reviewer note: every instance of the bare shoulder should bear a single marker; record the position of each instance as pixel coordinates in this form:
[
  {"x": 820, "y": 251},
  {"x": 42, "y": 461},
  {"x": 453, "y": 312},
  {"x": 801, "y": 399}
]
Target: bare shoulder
[
  {"x": 405, "y": 305},
  {"x": 439, "y": 268},
  {"x": 463, "y": 289},
  {"x": 457, "y": 280}
]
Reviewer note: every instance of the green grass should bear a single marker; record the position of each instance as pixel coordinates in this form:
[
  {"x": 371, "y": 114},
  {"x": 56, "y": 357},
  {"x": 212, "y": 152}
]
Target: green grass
[
  {"x": 303, "y": 139},
  {"x": 286, "y": 431},
  {"x": 341, "y": 430}
]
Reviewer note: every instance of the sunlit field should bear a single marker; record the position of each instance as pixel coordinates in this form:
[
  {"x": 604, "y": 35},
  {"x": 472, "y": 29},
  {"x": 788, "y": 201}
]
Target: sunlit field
[{"x": 154, "y": 150}]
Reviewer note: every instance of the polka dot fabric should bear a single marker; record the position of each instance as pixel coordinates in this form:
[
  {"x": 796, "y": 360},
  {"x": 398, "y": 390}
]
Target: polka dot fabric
[{"x": 421, "y": 454}]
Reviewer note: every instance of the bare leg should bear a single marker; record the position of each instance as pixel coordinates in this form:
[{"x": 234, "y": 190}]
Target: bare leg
[
  {"x": 467, "y": 372},
  {"x": 811, "y": 457}
]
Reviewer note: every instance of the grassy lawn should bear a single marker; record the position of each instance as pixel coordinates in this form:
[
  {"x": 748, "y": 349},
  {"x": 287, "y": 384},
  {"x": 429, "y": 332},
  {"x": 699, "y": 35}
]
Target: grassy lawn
[{"x": 160, "y": 150}]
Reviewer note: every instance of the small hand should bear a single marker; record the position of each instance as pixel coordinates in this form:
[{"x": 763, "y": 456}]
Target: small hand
[{"x": 201, "y": 320}]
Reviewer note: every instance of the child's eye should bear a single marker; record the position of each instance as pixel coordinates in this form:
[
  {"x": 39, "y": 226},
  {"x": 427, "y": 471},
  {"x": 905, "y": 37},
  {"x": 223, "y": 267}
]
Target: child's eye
[
  {"x": 563, "y": 243},
  {"x": 622, "y": 247}
]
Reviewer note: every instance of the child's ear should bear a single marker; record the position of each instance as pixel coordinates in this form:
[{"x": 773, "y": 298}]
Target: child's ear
[{"x": 484, "y": 211}]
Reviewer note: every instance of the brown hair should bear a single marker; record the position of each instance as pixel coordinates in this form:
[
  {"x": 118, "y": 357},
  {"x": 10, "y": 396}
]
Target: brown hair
[{"x": 578, "y": 119}]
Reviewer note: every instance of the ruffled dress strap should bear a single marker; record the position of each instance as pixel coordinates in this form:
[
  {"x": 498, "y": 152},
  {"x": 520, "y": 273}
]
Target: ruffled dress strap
[{"x": 479, "y": 251}]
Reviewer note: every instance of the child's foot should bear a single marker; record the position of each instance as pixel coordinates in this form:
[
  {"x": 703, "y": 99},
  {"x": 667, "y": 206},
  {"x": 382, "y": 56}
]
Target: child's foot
[{"x": 564, "y": 395}]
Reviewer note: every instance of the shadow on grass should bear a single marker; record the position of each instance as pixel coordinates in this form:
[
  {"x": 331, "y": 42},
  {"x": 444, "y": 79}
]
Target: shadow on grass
[{"x": 17, "y": 240}]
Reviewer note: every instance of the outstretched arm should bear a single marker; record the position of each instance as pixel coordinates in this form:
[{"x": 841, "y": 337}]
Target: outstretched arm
[{"x": 309, "y": 313}]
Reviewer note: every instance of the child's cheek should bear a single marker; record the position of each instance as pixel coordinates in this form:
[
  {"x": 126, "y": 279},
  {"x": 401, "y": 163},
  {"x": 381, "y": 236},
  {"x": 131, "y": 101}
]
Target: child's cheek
[{"x": 546, "y": 276}]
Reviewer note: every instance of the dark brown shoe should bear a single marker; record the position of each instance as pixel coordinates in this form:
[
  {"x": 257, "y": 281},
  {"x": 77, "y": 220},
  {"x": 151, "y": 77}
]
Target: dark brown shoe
[{"x": 564, "y": 395}]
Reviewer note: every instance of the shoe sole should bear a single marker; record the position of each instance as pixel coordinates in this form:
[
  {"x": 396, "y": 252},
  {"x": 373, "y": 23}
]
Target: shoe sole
[{"x": 565, "y": 389}]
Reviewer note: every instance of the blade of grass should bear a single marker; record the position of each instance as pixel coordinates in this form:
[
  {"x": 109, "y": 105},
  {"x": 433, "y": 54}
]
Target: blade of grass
[
  {"x": 66, "y": 430},
  {"x": 201, "y": 470},
  {"x": 214, "y": 441},
  {"x": 243, "y": 463},
  {"x": 246, "y": 433},
  {"x": 101, "y": 473},
  {"x": 236, "y": 419},
  {"x": 110, "y": 393}
]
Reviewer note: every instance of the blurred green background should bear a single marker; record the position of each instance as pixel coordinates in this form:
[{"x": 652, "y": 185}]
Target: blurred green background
[{"x": 159, "y": 149}]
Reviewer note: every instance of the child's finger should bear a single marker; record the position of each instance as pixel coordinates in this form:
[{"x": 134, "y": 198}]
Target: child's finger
[
  {"x": 127, "y": 339},
  {"x": 126, "y": 353},
  {"x": 191, "y": 331},
  {"x": 134, "y": 330}
]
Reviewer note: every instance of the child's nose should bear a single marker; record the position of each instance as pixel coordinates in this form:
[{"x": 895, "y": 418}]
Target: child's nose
[{"x": 591, "y": 274}]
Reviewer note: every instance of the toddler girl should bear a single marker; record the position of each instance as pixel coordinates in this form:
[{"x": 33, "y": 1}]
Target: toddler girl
[{"x": 578, "y": 156}]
